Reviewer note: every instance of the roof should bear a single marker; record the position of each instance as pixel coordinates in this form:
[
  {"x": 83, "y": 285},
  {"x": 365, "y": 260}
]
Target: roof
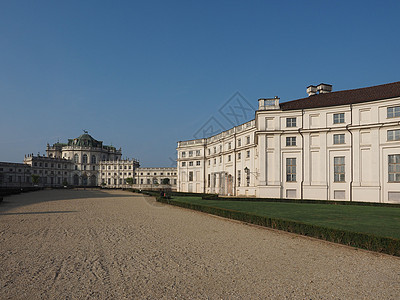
[
  {"x": 85, "y": 140},
  {"x": 373, "y": 93}
]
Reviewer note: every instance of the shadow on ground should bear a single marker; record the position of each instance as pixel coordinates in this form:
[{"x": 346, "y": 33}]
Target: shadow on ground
[{"x": 24, "y": 199}]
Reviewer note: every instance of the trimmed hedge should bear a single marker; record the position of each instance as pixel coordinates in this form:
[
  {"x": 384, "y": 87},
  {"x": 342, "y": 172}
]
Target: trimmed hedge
[
  {"x": 309, "y": 201},
  {"x": 360, "y": 240},
  {"x": 14, "y": 191}
]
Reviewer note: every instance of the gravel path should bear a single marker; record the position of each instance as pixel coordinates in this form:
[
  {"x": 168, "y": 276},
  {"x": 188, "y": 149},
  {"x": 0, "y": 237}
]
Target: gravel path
[{"x": 71, "y": 244}]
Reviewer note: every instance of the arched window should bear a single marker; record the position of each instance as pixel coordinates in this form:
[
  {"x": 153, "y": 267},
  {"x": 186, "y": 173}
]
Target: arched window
[
  {"x": 84, "y": 159},
  {"x": 76, "y": 158},
  {"x": 93, "y": 159}
]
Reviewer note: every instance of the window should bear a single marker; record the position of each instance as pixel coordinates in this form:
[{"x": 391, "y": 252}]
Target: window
[
  {"x": 45, "y": 165},
  {"x": 84, "y": 159},
  {"x": 94, "y": 168},
  {"x": 184, "y": 164},
  {"x": 247, "y": 139},
  {"x": 290, "y": 122},
  {"x": 238, "y": 178},
  {"x": 215, "y": 161},
  {"x": 197, "y": 152},
  {"x": 209, "y": 151},
  {"x": 290, "y": 169},
  {"x": 148, "y": 181},
  {"x": 215, "y": 150},
  {"x": 393, "y": 112},
  {"x": 229, "y": 158},
  {"x": 291, "y": 141},
  {"x": 393, "y": 135},
  {"x": 208, "y": 180},
  {"x": 239, "y": 142},
  {"x": 209, "y": 162},
  {"x": 229, "y": 145},
  {"x": 93, "y": 159},
  {"x": 183, "y": 154},
  {"x": 190, "y": 153},
  {"x": 247, "y": 177},
  {"x": 394, "y": 167},
  {"x": 190, "y": 164},
  {"x": 220, "y": 159},
  {"x": 338, "y": 118},
  {"x": 338, "y": 139},
  {"x": 190, "y": 176},
  {"x": 248, "y": 154},
  {"x": 338, "y": 169},
  {"x": 239, "y": 155},
  {"x": 198, "y": 163}
]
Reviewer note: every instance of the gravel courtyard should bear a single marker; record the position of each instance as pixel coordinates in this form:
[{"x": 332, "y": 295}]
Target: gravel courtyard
[{"x": 84, "y": 244}]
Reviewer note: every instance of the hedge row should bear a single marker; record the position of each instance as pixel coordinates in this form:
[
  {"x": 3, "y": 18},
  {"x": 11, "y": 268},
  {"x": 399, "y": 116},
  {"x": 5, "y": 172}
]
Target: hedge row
[
  {"x": 360, "y": 240},
  {"x": 309, "y": 201},
  {"x": 14, "y": 191}
]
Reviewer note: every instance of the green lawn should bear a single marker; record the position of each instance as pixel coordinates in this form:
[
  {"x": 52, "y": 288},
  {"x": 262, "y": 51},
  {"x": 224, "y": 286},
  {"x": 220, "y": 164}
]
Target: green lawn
[{"x": 380, "y": 221}]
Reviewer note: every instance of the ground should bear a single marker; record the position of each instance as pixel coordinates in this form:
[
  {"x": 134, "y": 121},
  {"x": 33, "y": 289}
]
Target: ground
[{"x": 78, "y": 244}]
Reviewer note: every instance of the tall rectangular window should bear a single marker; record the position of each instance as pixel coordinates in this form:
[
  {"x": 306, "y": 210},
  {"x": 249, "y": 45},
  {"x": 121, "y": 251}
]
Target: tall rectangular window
[
  {"x": 338, "y": 118},
  {"x": 208, "y": 180},
  {"x": 393, "y": 135},
  {"x": 197, "y": 152},
  {"x": 238, "y": 178},
  {"x": 394, "y": 167},
  {"x": 190, "y": 164},
  {"x": 339, "y": 169},
  {"x": 247, "y": 140},
  {"x": 190, "y": 153},
  {"x": 393, "y": 112},
  {"x": 338, "y": 139},
  {"x": 198, "y": 163},
  {"x": 290, "y": 169},
  {"x": 239, "y": 142},
  {"x": 190, "y": 176},
  {"x": 183, "y": 164},
  {"x": 291, "y": 141},
  {"x": 290, "y": 122},
  {"x": 183, "y": 154}
]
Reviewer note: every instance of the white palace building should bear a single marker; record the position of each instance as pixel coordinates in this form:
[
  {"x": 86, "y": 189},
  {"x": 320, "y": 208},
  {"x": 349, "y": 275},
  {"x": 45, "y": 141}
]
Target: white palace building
[
  {"x": 342, "y": 145},
  {"x": 84, "y": 161}
]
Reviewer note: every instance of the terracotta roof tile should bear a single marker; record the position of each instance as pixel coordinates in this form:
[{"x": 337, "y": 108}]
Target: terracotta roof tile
[{"x": 373, "y": 93}]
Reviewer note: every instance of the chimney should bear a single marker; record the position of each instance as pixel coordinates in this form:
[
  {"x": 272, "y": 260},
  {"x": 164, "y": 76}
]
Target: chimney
[
  {"x": 324, "y": 88},
  {"x": 311, "y": 90}
]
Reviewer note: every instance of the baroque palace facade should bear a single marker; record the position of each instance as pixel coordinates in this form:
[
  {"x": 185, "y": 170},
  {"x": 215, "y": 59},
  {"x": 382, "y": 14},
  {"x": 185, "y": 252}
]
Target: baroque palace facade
[
  {"x": 84, "y": 161},
  {"x": 342, "y": 145}
]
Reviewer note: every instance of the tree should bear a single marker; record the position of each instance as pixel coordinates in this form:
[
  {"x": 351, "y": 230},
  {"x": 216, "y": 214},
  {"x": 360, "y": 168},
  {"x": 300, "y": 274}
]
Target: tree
[
  {"x": 35, "y": 179},
  {"x": 165, "y": 181},
  {"x": 129, "y": 180}
]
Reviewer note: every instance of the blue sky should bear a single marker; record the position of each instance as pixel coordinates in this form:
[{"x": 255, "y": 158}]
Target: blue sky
[{"x": 143, "y": 75}]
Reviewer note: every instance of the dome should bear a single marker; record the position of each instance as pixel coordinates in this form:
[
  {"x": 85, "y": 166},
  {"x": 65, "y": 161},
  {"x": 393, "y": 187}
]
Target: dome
[{"x": 85, "y": 140}]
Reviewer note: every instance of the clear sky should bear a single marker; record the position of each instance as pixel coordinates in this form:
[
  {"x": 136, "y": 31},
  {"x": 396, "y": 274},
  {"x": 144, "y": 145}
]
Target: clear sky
[{"x": 143, "y": 75}]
